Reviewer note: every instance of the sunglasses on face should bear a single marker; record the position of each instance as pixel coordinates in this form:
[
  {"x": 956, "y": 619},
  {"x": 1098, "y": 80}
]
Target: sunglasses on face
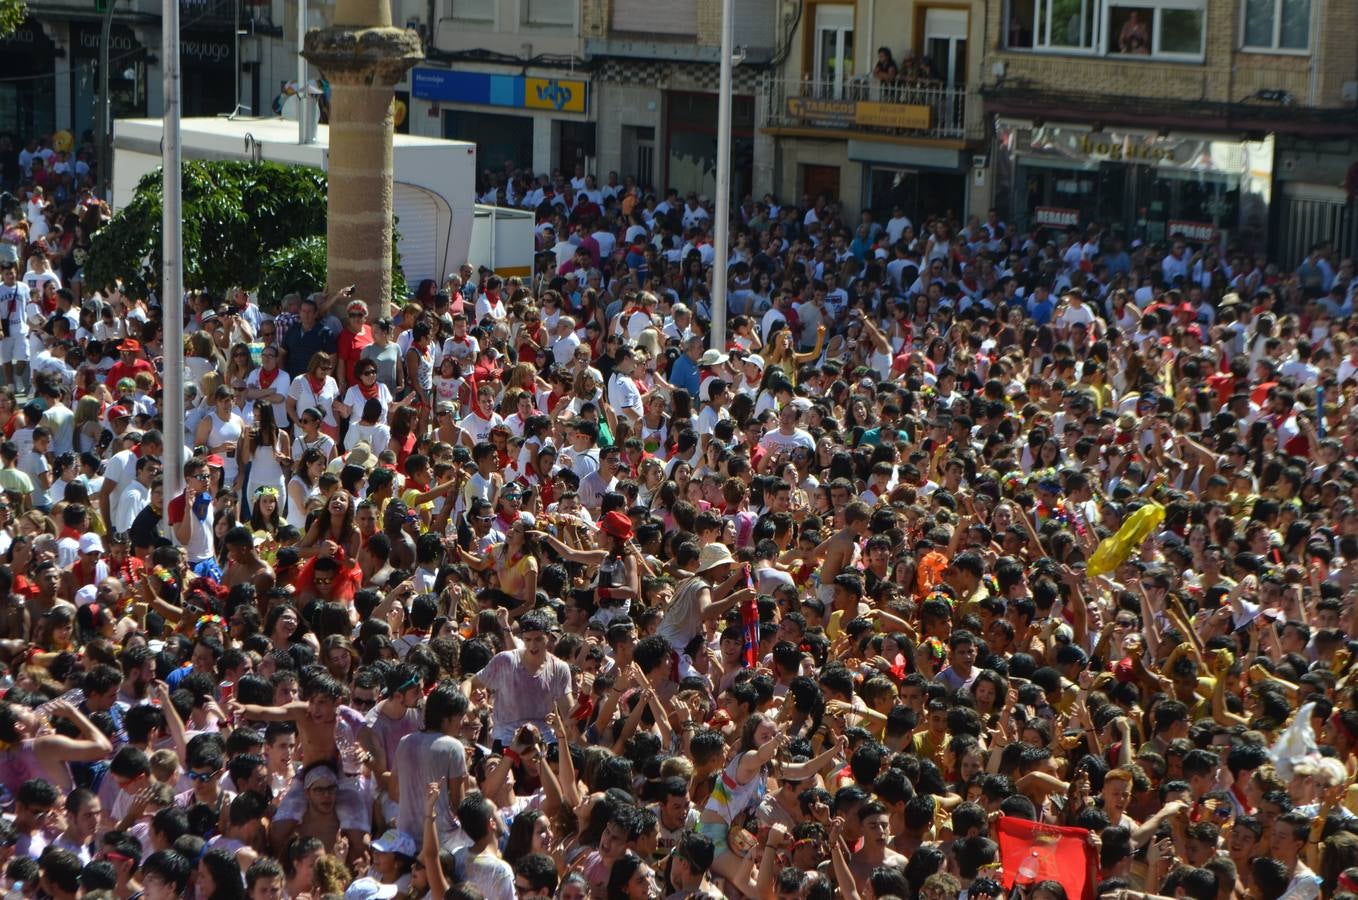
[{"x": 202, "y": 777}]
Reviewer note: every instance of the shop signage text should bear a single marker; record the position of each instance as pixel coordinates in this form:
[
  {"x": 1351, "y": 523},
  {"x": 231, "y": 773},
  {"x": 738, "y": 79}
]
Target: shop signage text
[
  {"x": 1193, "y": 232},
  {"x": 1056, "y": 217},
  {"x": 859, "y": 112},
  {"x": 1129, "y": 149},
  {"x": 554, "y": 93},
  {"x": 205, "y": 51},
  {"x": 513, "y": 91},
  {"x": 90, "y": 40}
]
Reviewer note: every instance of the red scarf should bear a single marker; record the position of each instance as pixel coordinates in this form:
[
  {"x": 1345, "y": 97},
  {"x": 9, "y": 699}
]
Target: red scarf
[
  {"x": 69, "y": 532},
  {"x": 368, "y": 392},
  {"x": 267, "y": 377},
  {"x": 316, "y": 386}
]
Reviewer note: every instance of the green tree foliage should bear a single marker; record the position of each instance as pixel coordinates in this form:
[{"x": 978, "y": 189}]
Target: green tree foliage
[
  {"x": 257, "y": 225},
  {"x": 12, "y": 15}
]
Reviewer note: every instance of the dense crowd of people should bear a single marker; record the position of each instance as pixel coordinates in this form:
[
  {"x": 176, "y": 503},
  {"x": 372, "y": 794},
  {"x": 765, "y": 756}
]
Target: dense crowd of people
[{"x": 976, "y": 562}]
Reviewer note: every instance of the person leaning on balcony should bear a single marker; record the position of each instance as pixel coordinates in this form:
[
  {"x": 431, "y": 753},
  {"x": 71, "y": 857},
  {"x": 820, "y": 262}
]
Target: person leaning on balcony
[{"x": 885, "y": 70}]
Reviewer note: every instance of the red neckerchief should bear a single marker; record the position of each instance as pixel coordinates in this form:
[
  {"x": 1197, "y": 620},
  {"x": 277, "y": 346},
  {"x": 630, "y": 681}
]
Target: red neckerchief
[
  {"x": 267, "y": 377},
  {"x": 368, "y": 392},
  {"x": 69, "y": 532},
  {"x": 316, "y": 387}
]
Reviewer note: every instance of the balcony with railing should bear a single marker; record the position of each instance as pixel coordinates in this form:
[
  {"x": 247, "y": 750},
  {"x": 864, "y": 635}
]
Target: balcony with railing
[{"x": 865, "y": 105}]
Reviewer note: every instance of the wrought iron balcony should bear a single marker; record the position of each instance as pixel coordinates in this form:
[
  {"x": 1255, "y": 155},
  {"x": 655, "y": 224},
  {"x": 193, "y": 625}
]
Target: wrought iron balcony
[{"x": 918, "y": 109}]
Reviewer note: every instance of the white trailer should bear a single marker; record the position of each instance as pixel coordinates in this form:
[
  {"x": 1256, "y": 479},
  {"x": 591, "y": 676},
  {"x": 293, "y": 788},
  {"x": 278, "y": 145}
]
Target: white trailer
[{"x": 434, "y": 183}]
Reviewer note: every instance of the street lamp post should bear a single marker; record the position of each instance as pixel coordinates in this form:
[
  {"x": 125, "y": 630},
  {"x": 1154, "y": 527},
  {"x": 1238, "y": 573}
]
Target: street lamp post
[
  {"x": 171, "y": 259},
  {"x": 106, "y": 106},
  {"x": 721, "y": 235}
]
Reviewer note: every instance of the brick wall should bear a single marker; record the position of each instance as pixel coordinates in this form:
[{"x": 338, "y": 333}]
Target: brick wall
[
  {"x": 709, "y": 22},
  {"x": 1224, "y": 75},
  {"x": 594, "y": 16}
]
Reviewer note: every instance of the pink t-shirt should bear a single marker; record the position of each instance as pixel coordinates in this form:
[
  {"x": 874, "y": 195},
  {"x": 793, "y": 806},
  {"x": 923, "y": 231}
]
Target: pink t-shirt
[{"x": 523, "y": 697}]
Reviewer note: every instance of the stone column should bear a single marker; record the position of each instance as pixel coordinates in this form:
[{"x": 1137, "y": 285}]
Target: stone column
[{"x": 364, "y": 58}]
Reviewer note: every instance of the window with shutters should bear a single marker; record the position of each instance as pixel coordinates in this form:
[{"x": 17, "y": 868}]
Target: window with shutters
[
  {"x": 549, "y": 13},
  {"x": 672, "y": 18},
  {"x": 474, "y": 10}
]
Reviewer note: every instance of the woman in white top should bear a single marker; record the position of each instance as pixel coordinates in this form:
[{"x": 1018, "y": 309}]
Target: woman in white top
[
  {"x": 369, "y": 429},
  {"x": 311, "y": 436},
  {"x": 316, "y": 389},
  {"x": 365, "y": 388},
  {"x": 304, "y": 486},
  {"x": 220, "y": 431},
  {"x": 269, "y": 383},
  {"x": 39, "y": 273},
  {"x": 266, "y": 447}
]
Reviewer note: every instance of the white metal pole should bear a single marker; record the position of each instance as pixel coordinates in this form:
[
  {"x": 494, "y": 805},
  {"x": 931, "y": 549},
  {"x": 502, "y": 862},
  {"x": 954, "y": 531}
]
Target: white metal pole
[
  {"x": 172, "y": 252},
  {"x": 721, "y": 235},
  {"x": 304, "y": 135}
]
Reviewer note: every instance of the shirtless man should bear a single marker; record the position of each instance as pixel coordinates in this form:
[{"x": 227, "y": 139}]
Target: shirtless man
[
  {"x": 875, "y": 823},
  {"x": 840, "y": 551},
  {"x": 245, "y": 564},
  {"x": 320, "y": 723},
  {"x": 321, "y": 819}
]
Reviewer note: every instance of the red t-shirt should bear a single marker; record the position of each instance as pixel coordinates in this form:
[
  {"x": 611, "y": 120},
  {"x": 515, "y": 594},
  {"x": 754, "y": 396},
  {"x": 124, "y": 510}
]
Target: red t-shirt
[
  {"x": 122, "y": 370},
  {"x": 349, "y": 346}
]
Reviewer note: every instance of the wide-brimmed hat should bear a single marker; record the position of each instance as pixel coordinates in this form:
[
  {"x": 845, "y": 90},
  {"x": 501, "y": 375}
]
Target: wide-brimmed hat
[
  {"x": 712, "y": 358},
  {"x": 617, "y": 524},
  {"x": 714, "y": 555}
]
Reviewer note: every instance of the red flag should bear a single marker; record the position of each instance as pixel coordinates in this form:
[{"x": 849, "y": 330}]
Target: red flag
[
  {"x": 749, "y": 617},
  {"x": 1032, "y": 852}
]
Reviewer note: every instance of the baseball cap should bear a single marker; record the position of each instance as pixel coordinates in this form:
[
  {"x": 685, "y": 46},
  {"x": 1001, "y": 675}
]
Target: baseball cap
[
  {"x": 393, "y": 841},
  {"x": 369, "y": 889},
  {"x": 90, "y": 543}
]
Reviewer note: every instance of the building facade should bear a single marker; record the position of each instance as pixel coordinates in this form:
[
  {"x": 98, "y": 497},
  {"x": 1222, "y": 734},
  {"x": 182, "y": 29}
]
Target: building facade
[
  {"x": 874, "y": 102},
  {"x": 1231, "y": 122},
  {"x": 50, "y": 78}
]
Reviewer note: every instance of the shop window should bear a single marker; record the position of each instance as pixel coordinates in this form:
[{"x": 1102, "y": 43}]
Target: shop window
[
  {"x": 1052, "y": 24},
  {"x": 474, "y": 10},
  {"x": 1277, "y": 25},
  {"x": 1170, "y": 29},
  {"x": 549, "y": 13},
  {"x": 1155, "y": 29}
]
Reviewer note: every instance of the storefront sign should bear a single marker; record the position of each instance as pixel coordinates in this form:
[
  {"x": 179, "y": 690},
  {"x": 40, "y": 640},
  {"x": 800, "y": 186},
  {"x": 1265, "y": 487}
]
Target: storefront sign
[
  {"x": 821, "y": 110},
  {"x": 554, "y": 93},
  {"x": 205, "y": 49},
  {"x": 87, "y": 38},
  {"x": 1193, "y": 232},
  {"x": 892, "y": 115},
  {"x": 1056, "y": 217},
  {"x": 513, "y": 91},
  {"x": 859, "y": 112}
]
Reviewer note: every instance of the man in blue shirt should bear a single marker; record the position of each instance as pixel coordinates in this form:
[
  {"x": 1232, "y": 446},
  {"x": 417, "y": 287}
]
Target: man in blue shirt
[
  {"x": 1040, "y": 305},
  {"x": 685, "y": 372},
  {"x": 305, "y": 339}
]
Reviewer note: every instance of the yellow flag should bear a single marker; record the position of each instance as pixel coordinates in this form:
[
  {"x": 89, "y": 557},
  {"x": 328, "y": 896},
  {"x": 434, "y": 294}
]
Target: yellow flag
[{"x": 1113, "y": 551}]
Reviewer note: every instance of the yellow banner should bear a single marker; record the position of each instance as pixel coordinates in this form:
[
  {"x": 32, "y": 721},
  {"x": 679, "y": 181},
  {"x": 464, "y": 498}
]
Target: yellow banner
[
  {"x": 559, "y": 94},
  {"x": 892, "y": 115}
]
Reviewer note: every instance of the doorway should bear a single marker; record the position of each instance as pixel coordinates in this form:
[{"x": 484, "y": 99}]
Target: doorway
[
  {"x": 834, "y": 49},
  {"x": 818, "y": 180},
  {"x": 945, "y": 44}
]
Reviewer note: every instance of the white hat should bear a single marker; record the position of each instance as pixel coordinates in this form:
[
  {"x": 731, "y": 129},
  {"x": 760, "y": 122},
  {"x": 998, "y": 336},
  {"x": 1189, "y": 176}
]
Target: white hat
[
  {"x": 90, "y": 543},
  {"x": 394, "y": 841},
  {"x": 86, "y": 595},
  {"x": 712, "y": 358},
  {"x": 755, "y": 360},
  {"x": 321, "y": 776},
  {"x": 713, "y": 555},
  {"x": 369, "y": 889}
]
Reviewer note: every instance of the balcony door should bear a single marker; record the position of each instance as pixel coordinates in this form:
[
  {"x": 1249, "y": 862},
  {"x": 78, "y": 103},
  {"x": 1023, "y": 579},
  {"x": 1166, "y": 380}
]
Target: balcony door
[
  {"x": 945, "y": 44},
  {"x": 834, "y": 49}
]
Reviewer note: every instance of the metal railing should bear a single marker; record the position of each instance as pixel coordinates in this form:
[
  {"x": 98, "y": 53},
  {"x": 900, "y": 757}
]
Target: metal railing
[{"x": 923, "y": 109}]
